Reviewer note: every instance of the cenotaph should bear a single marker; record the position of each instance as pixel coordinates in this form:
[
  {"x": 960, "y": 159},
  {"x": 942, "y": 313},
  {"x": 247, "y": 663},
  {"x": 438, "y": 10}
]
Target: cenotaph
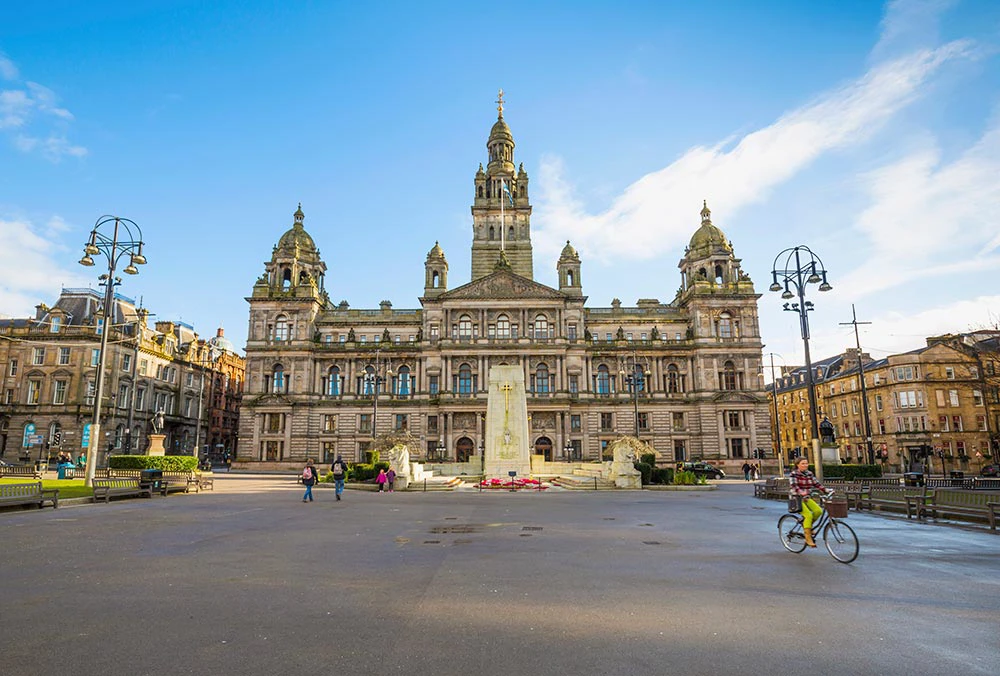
[{"x": 507, "y": 447}]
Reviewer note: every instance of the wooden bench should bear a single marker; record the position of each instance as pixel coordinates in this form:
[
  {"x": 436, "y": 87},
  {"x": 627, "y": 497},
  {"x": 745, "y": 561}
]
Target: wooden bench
[
  {"x": 772, "y": 488},
  {"x": 28, "y": 494},
  {"x": 958, "y": 502},
  {"x": 20, "y": 470},
  {"x": 119, "y": 487},
  {"x": 949, "y": 483},
  {"x": 981, "y": 484},
  {"x": 205, "y": 483},
  {"x": 889, "y": 497},
  {"x": 173, "y": 481}
]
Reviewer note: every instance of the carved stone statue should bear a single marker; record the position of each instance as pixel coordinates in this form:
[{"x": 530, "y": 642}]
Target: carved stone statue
[{"x": 157, "y": 421}]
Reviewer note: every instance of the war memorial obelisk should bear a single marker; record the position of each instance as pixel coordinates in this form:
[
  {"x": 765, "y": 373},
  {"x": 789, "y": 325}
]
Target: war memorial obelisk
[{"x": 507, "y": 447}]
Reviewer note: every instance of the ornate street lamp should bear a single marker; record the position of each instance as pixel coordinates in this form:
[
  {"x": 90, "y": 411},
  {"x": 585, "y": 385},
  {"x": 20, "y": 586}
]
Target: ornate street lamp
[
  {"x": 634, "y": 372},
  {"x": 381, "y": 371},
  {"x": 125, "y": 240},
  {"x": 794, "y": 268}
]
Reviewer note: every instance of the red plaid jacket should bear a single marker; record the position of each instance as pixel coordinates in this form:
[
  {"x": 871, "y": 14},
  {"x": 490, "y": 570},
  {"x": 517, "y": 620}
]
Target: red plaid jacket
[{"x": 802, "y": 483}]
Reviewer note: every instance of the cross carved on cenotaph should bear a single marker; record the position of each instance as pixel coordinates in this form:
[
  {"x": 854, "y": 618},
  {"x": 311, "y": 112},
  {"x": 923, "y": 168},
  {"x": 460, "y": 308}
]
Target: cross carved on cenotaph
[{"x": 506, "y": 388}]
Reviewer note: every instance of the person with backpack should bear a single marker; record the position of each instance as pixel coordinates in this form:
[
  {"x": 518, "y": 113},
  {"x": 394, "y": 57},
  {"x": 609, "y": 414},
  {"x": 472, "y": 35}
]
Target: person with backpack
[
  {"x": 309, "y": 477},
  {"x": 339, "y": 470}
]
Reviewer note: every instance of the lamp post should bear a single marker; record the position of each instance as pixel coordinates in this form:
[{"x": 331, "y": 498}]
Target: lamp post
[
  {"x": 796, "y": 267},
  {"x": 864, "y": 390},
  {"x": 568, "y": 451},
  {"x": 212, "y": 356},
  {"x": 777, "y": 419},
  {"x": 634, "y": 371},
  {"x": 125, "y": 240},
  {"x": 374, "y": 378}
]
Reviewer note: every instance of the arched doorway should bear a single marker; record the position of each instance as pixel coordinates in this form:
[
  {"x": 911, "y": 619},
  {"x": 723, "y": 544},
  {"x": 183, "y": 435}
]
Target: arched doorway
[
  {"x": 463, "y": 449},
  {"x": 543, "y": 446}
]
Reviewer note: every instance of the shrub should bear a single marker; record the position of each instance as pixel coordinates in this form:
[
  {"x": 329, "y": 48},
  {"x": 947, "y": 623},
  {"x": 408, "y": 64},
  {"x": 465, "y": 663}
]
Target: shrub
[
  {"x": 167, "y": 463},
  {"x": 646, "y": 470},
  {"x": 685, "y": 478},
  {"x": 648, "y": 458},
  {"x": 662, "y": 475}
]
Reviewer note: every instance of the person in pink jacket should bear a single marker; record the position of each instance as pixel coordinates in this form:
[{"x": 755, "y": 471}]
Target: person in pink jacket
[{"x": 380, "y": 480}]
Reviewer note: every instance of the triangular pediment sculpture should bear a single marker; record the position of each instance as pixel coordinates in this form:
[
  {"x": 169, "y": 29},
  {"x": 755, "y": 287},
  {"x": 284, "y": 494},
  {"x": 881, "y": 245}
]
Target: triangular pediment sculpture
[{"x": 503, "y": 284}]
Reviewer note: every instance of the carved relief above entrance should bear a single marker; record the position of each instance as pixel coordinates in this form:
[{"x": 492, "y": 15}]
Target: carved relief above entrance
[{"x": 465, "y": 421}]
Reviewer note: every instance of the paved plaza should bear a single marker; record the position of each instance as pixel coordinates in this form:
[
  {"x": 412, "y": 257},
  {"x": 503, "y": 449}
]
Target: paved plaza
[{"x": 249, "y": 580}]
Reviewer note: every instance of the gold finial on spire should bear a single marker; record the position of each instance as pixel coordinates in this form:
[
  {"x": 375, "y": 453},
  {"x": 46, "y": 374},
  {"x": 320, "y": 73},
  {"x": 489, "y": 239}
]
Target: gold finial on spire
[{"x": 500, "y": 102}]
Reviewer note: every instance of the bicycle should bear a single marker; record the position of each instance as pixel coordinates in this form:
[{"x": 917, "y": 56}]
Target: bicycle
[{"x": 838, "y": 537}]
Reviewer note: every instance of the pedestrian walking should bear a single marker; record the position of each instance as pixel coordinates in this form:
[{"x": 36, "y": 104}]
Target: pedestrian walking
[
  {"x": 380, "y": 480},
  {"x": 390, "y": 478},
  {"x": 309, "y": 478},
  {"x": 339, "y": 470},
  {"x": 746, "y": 471},
  {"x": 756, "y": 471}
]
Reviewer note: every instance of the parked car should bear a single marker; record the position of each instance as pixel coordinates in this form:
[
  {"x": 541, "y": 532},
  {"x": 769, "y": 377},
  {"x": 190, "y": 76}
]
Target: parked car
[
  {"x": 990, "y": 470},
  {"x": 703, "y": 469}
]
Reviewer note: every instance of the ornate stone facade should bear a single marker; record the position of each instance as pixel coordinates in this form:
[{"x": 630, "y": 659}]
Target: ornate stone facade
[{"x": 325, "y": 378}]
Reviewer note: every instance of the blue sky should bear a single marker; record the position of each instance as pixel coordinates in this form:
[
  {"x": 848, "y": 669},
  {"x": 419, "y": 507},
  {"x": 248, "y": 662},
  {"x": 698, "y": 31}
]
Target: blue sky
[{"x": 868, "y": 132}]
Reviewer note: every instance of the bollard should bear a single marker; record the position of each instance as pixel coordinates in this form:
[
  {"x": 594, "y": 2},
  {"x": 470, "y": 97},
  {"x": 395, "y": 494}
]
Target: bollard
[{"x": 595, "y": 483}]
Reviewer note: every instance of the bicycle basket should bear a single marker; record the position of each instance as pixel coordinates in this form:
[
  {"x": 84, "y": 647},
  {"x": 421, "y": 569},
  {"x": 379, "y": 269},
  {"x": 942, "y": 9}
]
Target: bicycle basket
[
  {"x": 794, "y": 504},
  {"x": 837, "y": 508}
]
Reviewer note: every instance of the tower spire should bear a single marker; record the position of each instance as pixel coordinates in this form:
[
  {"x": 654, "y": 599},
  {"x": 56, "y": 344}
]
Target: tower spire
[{"x": 500, "y": 104}]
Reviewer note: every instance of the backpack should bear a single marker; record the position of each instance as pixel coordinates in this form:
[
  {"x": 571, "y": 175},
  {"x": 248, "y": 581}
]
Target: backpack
[
  {"x": 307, "y": 474},
  {"x": 338, "y": 469}
]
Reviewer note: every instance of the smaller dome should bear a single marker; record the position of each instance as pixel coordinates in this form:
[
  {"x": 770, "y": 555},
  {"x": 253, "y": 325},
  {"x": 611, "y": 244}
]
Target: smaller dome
[
  {"x": 568, "y": 251},
  {"x": 500, "y": 130},
  {"x": 708, "y": 236},
  {"x": 297, "y": 237},
  {"x": 221, "y": 343},
  {"x": 435, "y": 252}
]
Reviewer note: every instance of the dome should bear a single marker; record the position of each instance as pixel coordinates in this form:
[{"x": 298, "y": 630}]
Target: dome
[
  {"x": 435, "y": 252},
  {"x": 222, "y": 344},
  {"x": 500, "y": 130},
  {"x": 568, "y": 251},
  {"x": 708, "y": 236},
  {"x": 297, "y": 237}
]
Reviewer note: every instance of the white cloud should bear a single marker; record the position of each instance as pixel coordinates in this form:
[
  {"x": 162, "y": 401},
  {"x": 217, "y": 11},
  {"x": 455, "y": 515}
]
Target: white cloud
[
  {"x": 907, "y": 24},
  {"x": 15, "y": 108},
  {"x": 29, "y": 272},
  {"x": 655, "y": 214},
  {"x": 8, "y": 71},
  {"x": 54, "y": 147}
]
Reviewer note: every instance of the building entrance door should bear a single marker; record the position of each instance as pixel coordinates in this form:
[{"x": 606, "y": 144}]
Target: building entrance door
[
  {"x": 543, "y": 446},
  {"x": 463, "y": 449}
]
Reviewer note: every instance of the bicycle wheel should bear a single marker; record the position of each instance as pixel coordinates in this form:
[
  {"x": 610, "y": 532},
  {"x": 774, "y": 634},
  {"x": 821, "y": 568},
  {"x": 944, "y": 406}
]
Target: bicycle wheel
[
  {"x": 790, "y": 532},
  {"x": 840, "y": 541}
]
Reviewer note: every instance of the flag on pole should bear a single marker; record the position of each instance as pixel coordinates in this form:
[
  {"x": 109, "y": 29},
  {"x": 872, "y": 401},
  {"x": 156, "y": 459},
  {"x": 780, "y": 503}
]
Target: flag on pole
[{"x": 506, "y": 191}]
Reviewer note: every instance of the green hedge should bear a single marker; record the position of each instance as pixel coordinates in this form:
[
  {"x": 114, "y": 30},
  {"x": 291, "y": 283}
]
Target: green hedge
[
  {"x": 360, "y": 471},
  {"x": 662, "y": 475},
  {"x": 851, "y": 472},
  {"x": 646, "y": 470},
  {"x": 685, "y": 479},
  {"x": 168, "y": 463},
  {"x": 648, "y": 458}
]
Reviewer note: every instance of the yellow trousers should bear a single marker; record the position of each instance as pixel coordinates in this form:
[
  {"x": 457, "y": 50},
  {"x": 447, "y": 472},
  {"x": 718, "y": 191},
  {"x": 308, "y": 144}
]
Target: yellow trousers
[{"x": 810, "y": 511}]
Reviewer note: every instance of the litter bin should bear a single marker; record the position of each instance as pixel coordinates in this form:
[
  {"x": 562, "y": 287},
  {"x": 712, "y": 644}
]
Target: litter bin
[
  {"x": 152, "y": 478},
  {"x": 957, "y": 477},
  {"x": 913, "y": 479}
]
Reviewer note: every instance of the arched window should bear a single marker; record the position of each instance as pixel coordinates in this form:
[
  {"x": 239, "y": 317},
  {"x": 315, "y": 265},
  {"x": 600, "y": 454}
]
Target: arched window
[
  {"x": 401, "y": 385},
  {"x": 674, "y": 383},
  {"x": 282, "y": 329},
  {"x": 602, "y": 381},
  {"x": 503, "y": 326},
  {"x": 541, "y": 379},
  {"x": 492, "y": 233},
  {"x": 479, "y": 191},
  {"x": 120, "y": 436},
  {"x": 569, "y": 278},
  {"x": 727, "y": 378},
  {"x": 333, "y": 381},
  {"x": 725, "y": 325},
  {"x": 368, "y": 381},
  {"x": 278, "y": 382},
  {"x": 465, "y": 327},
  {"x": 510, "y": 233},
  {"x": 541, "y": 326},
  {"x": 435, "y": 280},
  {"x": 286, "y": 279},
  {"x": 718, "y": 274},
  {"x": 465, "y": 379}
]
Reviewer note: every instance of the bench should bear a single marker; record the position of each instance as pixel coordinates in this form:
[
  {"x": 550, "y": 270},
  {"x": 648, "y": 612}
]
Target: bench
[
  {"x": 205, "y": 483},
  {"x": 981, "y": 484},
  {"x": 774, "y": 487},
  {"x": 172, "y": 481},
  {"x": 120, "y": 487},
  {"x": 20, "y": 470},
  {"x": 958, "y": 502},
  {"x": 28, "y": 494},
  {"x": 949, "y": 483},
  {"x": 889, "y": 497}
]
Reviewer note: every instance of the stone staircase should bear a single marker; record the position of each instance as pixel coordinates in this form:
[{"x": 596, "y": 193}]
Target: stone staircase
[{"x": 582, "y": 482}]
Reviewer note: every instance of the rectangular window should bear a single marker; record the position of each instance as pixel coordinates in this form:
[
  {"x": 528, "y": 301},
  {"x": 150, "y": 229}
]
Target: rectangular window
[
  {"x": 432, "y": 424},
  {"x": 38, "y": 356},
  {"x": 977, "y": 398},
  {"x": 878, "y": 402},
  {"x": 607, "y": 337},
  {"x": 34, "y": 389},
  {"x": 59, "y": 392},
  {"x": 953, "y": 397},
  {"x": 140, "y": 398},
  {"x": 122, "y": 400},
  {"x": 343, "y": 338},
  {"x": 733, "y": 419},
  {"x": 13, "y": 367},
  {"x": 8, "y": 397},
  {"x": 574, "y": 384},
  {"x": 607, "y": 422},
  {"x": 571, "y": 331},
  {"x": 949, "y": 373},
  {"x": 943, "y": 423},
  {"x": 956, "y": 423},
  {"x": 126, "y": 362},
  {"x": 677, "y": 420},
  {"x": 433, "y": 385},
  {"x": 330, "y": 423},
  {"x": 402, "y": 423},
  {"x": 981, "y": 423},
  {"x": 365, "y": 422},
  {"x": 95, "y": 357},
  {"x": 190, "y": 380},
  {"x": 574, "y": 423},
  {"x": 737, "y": 448},
  {"x": 188, "y": 403},
  {"x": 854, "y": 406},
  {"x": 881, "y": 426},
  {"x": 643, "y": 419},
  {"x": 63, "y": 356}
]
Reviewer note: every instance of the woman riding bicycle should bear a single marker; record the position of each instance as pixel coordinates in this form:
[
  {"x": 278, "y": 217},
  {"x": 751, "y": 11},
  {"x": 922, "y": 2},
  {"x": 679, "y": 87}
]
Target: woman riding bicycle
[{"x": 802, "y": 483}]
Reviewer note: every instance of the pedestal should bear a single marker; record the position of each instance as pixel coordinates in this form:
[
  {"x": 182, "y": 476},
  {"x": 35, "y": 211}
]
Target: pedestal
[{"x": 156, "y": 444}]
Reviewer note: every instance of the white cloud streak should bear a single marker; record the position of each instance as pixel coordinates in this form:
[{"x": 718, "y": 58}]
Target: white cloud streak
[
  {"x": 28, "y": 267},
  {"x": 656, "y": 213},
  {"x": 8, "y": 71},
  {"x": 36, "y": 107}
]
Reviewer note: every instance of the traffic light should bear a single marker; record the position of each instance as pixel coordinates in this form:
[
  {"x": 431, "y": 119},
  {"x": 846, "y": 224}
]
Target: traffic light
[{"x": 57, "y": 439}]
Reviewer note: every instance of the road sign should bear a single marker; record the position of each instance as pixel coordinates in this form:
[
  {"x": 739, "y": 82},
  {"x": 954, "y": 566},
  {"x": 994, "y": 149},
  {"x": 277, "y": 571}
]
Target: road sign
[{"x": 36, "y": 440}]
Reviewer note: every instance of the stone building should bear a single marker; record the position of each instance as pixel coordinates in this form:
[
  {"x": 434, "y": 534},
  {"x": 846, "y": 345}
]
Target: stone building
[
  {"x": 49, "y": 381},
  {"x": 324, "y": 378},
  {"x": 928, "y": 408}
]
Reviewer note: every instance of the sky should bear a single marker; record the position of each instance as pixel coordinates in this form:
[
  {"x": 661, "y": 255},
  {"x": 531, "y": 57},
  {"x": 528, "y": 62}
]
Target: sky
[{"x": 868, "y": 132}]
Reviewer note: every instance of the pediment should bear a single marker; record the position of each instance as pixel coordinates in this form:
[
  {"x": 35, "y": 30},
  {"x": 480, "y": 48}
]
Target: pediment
[
  {"x": 503, "y": 284},
  {"x": 736, "y": 396}
]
